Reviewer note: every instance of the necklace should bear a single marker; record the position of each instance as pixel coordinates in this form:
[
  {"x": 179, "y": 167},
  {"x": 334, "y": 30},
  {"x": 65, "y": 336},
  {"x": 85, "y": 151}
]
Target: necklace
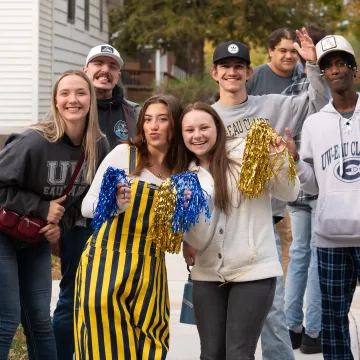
[{"x": 157, "y": 174}]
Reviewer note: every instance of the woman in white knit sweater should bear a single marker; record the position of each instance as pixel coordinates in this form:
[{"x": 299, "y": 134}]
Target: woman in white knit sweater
[{"x": 236, "y": 263}]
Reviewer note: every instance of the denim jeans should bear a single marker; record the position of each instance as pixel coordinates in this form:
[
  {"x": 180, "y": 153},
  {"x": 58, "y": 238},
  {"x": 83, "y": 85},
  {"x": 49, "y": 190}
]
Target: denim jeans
[
  {"x": 275, "y": 338},
  {"x": 302, "y": 270},
  {"x": 72, "y": 245},
  {"x": 25, "y": 288}
]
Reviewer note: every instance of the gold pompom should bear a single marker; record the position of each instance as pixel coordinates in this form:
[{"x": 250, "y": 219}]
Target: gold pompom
[
  {"x": 160, "y": 232},
  {"x": 257, "y": 169}
]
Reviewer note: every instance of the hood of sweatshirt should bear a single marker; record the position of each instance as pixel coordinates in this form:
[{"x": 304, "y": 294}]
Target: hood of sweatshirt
[
  {"x": 115, "y": 101},
  {"x": 344, "y": 125}
]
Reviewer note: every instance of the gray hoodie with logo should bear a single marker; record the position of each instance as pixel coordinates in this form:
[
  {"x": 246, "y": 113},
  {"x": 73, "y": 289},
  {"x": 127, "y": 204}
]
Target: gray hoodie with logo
[{"x": 330, "y": 167}]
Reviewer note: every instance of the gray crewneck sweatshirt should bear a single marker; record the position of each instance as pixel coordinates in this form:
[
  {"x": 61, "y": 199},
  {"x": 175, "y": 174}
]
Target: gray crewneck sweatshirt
[
  {"x": 330, "y": 167},
  {"x": 280, "y": 111}
]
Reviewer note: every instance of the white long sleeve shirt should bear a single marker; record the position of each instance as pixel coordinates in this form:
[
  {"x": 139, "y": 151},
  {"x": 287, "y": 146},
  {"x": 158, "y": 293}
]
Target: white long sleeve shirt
[
  {"x": 117, "y": 158},
  {"x": 239, "y": 246}
]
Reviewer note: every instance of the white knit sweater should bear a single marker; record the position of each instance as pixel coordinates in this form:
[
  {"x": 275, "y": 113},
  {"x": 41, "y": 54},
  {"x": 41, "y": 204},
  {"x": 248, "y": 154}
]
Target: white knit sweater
[{"x": 239, "y": 246}]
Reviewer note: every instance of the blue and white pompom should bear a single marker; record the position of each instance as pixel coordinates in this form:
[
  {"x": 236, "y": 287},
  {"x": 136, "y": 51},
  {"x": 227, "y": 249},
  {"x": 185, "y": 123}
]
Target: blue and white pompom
[
  {"x": 174, "y": 213},
  {"x": 186, "y": 216},
  {"x": 107, "y": 204}
]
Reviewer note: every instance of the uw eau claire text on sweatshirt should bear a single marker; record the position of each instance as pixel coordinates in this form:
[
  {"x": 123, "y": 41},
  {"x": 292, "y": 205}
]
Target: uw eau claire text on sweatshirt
[{"x": 330, "y": 167}]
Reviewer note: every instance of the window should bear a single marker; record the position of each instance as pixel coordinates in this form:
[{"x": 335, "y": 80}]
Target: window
[
  {"x": 101, "y": 18},
  {"x": 71, "y": 11},
  {"x": 87, "y": 14}
]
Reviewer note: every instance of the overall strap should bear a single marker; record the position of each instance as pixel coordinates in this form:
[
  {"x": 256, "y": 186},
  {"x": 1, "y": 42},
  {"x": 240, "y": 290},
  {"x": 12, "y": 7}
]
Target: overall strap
[{"x": 132, "y": 158}]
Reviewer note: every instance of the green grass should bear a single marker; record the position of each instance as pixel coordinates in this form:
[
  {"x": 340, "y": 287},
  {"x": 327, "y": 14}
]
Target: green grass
[{"x": 18, "y": 347}]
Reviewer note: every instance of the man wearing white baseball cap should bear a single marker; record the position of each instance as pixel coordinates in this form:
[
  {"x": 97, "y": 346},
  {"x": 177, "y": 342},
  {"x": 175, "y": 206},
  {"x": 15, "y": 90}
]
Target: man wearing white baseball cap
[
  {"x": 328, "y": 166},
  {"x": 104, "y": 50},
  {"x": 117, "y": 116},
  {"x": 117, "y": 119}
]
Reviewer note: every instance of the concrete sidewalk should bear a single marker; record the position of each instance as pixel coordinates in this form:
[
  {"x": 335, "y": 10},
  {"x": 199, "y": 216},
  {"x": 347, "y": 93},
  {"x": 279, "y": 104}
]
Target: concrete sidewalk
[{"x": 184, "y": 338}]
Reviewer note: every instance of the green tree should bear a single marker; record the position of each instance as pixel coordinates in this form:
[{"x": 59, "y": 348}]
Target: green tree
[{"x": 183, "y": 26}]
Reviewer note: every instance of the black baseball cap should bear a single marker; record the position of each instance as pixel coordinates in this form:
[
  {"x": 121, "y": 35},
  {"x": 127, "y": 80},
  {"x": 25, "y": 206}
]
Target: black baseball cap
[{"x": 231, "y": 49}]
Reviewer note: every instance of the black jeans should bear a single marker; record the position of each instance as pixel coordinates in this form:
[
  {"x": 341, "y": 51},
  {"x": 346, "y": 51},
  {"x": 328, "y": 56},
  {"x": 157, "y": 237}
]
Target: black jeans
[{"x": 230, "y": 318}]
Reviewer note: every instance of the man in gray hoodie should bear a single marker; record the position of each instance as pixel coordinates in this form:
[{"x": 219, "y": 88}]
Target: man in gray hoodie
[
  {"x": 328, "y": 166},
  {"x": 238, "y": 111}
]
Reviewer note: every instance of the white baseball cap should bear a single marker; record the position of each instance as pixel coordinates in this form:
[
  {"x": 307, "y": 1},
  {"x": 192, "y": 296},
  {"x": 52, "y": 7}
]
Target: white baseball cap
[
  {"x": 331, "y": 43},
  {"x": 104, "y": 50}
]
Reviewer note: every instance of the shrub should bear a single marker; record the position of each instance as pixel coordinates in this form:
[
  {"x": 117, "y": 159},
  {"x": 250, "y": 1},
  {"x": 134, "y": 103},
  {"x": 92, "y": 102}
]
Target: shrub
[{"x": 191, "y": 90}]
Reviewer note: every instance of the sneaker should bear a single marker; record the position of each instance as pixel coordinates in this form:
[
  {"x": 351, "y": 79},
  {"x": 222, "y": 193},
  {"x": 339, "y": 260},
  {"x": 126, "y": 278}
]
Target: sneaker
[
  {"x": 310, "y": 345},
  {"x": 295, "y": 338}
]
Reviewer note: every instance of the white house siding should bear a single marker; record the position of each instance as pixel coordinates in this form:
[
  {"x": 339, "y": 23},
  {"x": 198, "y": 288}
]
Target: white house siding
[
  {"x": 38, "y": 44},
  {"x": 63, "y": 45},
  {"x": 71, "y": 42},
  {"x": 18, "y": 63},
  {"x": 45, "y": 56}
]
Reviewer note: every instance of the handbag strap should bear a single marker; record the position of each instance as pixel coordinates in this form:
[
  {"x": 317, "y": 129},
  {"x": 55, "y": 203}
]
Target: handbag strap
[{"x": 75, "y": 173}]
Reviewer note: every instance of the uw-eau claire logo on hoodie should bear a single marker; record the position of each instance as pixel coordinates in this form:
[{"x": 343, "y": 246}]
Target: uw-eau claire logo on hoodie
[{"x": 349, "y": 163}]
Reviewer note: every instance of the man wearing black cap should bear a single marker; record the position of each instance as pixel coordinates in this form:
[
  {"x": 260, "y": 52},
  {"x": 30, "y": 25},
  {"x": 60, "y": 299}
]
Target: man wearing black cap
[
  {"x": 238, "y": 111},
  {"x": 231, "y": 69}
]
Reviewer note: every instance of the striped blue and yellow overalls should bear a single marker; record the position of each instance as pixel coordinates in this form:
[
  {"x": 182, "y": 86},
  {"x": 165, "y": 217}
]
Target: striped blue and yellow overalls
[{"x": 121, "y": 300}]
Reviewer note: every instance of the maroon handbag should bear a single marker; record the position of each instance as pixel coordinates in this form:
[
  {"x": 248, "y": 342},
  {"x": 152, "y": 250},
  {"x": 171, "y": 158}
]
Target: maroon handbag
[{"x": 24, "y": 227}]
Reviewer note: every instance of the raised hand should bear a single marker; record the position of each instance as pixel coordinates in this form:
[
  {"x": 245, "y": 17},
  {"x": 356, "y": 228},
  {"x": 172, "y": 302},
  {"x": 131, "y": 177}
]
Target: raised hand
[
  {"x": 56, "y": 210},
  {"x": 307, "y": 49}
]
